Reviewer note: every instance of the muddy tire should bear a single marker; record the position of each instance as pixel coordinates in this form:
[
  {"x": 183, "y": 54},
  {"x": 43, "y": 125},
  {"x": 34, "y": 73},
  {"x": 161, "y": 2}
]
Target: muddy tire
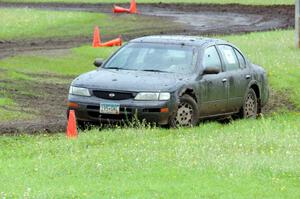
[
  {"x": 250, "y": 106},
  {"x": 187, "y": 113}
]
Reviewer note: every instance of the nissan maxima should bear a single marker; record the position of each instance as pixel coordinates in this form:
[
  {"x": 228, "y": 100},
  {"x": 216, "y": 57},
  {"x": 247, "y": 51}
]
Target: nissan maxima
[{"x": 170, "y": 80}]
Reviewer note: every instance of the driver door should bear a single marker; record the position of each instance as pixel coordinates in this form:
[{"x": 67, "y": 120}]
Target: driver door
[{"x": 214, "y": 87}]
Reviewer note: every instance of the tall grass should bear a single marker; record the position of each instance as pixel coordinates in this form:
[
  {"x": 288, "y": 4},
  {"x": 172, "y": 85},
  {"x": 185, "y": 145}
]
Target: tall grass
[{"x": 245, "y": 159}]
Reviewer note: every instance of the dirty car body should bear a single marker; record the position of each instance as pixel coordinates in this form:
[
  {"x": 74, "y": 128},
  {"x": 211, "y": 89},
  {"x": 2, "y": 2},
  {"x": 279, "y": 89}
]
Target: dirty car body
[{"x": 174, "y": 80}]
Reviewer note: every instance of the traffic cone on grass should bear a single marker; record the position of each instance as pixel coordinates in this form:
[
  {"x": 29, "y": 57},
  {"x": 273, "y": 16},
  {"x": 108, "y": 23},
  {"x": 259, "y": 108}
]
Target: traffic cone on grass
[
  {"x": 97, "y": 38},
  {"x": 114, "y": 42},
  {"x": 72, "y": 127}
]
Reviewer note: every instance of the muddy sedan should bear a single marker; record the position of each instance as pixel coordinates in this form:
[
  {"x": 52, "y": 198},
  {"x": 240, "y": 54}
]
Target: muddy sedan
[{"x": 170, "y": 80}]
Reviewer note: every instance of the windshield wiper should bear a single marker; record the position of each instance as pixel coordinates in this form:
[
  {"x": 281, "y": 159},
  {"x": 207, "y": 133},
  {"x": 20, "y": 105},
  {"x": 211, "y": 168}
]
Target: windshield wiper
[
  {"x": 116, "y": 68},
  {"x": 119, "y": 68},
  {"x": 153, "y": 70}
]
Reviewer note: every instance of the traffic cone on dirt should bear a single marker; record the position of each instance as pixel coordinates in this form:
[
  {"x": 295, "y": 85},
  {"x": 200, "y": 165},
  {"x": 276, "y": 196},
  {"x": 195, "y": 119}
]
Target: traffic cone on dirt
[
  {"x": 97, "y": 38},
  {"x": 118, "y": 9},
  {"x": 98, "y": 43},
  {"x": 72, "y": 127},
  {"x": 131, "y": 10},
  {"x": 114, "y": 42}
]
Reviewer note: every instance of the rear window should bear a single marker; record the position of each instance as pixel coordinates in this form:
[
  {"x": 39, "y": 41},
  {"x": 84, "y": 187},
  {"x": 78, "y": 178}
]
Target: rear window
[{"x": 241, "y": 59}]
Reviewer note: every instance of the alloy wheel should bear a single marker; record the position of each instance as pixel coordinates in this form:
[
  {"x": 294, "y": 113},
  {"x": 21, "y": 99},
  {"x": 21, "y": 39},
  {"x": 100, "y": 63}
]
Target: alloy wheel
[
  {"x": 250, "y": 108},
  {"x": 184, "y": 115}
]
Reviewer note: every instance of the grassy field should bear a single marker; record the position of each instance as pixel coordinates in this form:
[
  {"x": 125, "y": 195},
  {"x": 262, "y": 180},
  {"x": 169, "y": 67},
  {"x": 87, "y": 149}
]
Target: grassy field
[
  {"x": 69, "y": 63},
  {"x": 47, "y": 23},
  {"x": 245, "y": 159},
  {"x": 255, "y": 2},
  {"x": 32, "y": 23}
]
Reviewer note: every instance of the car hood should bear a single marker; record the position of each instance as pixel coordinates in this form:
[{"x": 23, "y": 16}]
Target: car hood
[{"x": 125, "y": 80}]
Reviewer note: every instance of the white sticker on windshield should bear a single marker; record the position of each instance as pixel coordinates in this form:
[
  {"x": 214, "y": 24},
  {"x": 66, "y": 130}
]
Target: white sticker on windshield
[{"x": 229, "y": 56}]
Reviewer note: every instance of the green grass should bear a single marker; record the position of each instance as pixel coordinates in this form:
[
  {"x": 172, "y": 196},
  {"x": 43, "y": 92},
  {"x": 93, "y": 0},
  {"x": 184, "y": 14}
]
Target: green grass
[
  {"x": 13, "y": 114},
  {"x": 29, "y": 23},
  {"x": 245, "y": 159},
  {"x": 9, "y": 109},
  {"x": 77, "y": 60},
  {"x": 19, "y": 24},
  {"x": 5, "y": 101},
  {"x": 255, "y": 2}
]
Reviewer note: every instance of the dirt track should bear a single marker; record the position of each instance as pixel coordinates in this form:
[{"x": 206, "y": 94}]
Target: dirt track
[{"x": 195, "y": 20}]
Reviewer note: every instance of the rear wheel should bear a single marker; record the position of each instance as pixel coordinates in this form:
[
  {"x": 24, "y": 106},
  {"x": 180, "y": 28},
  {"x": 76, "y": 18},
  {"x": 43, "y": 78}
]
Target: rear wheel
[
  {"x": 187, "y": 112},
  {"x": 250, "y": 107}
]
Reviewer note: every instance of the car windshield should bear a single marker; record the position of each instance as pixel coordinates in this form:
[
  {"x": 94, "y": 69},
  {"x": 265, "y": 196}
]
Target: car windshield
[{"x": 154, "y": 58}]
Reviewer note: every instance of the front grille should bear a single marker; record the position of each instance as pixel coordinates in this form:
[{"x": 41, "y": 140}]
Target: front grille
[
  {"x": 109, "y": 117},
  {"x": 113, "y": 95}
]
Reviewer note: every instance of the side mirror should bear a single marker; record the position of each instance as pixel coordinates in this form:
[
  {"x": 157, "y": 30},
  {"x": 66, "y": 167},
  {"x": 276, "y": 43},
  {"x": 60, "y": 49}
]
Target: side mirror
[
  {"x": 98, "y": 62},
  {"x": 211, "y": 70}
]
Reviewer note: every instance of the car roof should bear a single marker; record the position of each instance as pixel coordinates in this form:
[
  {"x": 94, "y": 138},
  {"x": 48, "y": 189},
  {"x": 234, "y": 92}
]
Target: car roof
[{"x": 178, "y": 39}]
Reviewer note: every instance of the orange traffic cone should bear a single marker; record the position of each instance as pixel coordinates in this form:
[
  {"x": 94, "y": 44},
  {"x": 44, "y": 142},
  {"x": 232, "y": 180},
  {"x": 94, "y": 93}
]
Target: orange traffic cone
[
  {"x": 97, "y": 37},
  {"x": 133, "y": 9},
  {"x": 114, "y": 42},
  {"x": 118, "y": 9},
  {"x": 72, "y": 128}
]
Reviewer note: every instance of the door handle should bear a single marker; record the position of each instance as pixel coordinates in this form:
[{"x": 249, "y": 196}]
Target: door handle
[
  {"x": 248, "y": 76},
  {"x": 224, "y": 80}
]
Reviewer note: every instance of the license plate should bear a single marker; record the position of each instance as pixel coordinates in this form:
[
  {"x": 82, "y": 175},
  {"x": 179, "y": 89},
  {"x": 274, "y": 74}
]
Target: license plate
[{"x": 109, "y": 108}]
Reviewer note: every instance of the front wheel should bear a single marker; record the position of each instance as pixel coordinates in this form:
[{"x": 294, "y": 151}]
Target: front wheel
[
  {"x": 250, "y": 107},
  {"x": 187, "y": 112}
]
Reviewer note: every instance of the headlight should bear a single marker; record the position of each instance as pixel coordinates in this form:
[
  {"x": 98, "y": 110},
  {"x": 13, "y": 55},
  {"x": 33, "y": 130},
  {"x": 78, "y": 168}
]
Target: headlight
[
  {"x": 153, "y": 96},
  {"x": 164, "y": 96},
  {"x": 79, "y": 91}
]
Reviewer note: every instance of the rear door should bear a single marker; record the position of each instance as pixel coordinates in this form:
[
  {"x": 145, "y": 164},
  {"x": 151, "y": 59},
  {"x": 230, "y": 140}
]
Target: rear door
[
  {"x": 237, "y": 74},
  {"x": 214, "y": 88}
]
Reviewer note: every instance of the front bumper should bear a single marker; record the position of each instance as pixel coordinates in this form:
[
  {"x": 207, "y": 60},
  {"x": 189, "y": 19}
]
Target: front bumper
[{"x": 88, "y": 110}]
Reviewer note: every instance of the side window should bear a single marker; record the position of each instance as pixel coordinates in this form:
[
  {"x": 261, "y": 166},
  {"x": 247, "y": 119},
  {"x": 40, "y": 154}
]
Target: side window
[
  {"x": 229, "y": 57},
  {"x": 211, "y": 58},
  {"x": 240, "y": 58}
]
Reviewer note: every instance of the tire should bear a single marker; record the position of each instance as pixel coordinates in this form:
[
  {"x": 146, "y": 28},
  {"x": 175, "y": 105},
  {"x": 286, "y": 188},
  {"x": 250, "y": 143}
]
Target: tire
[
  {"x": 250, "y": 106},
  {"x": 187, "y": 113}
]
